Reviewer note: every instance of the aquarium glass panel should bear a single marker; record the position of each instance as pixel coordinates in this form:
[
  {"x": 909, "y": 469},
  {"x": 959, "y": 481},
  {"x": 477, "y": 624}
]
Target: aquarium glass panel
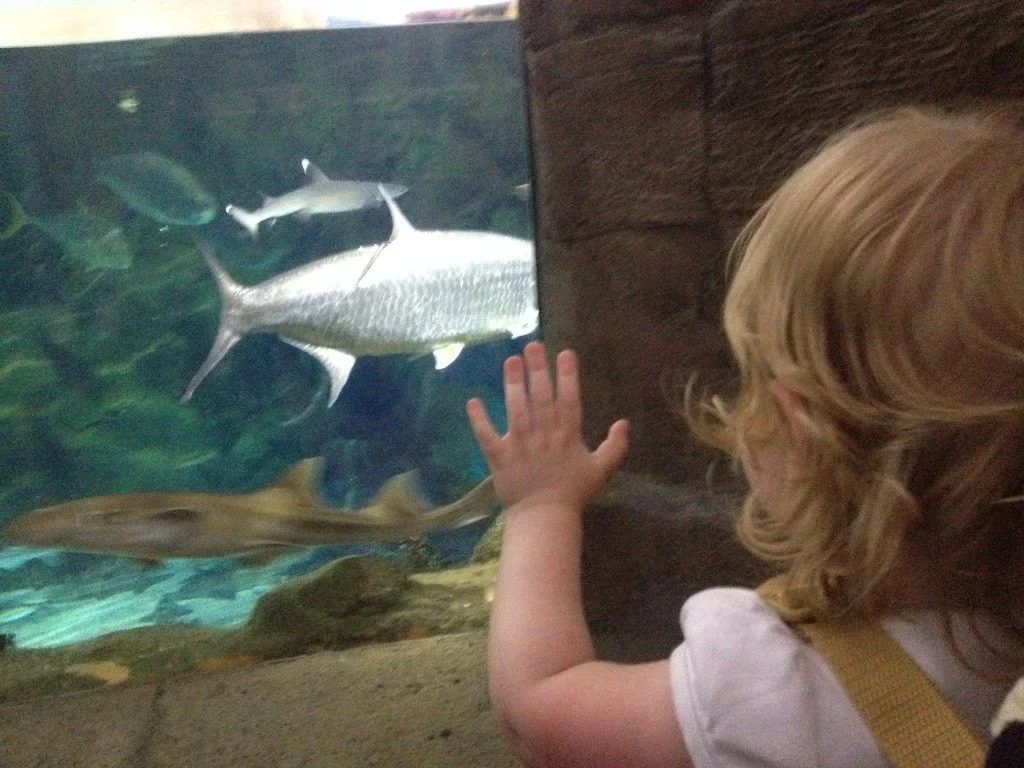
[{"x": 247, "y": 284}]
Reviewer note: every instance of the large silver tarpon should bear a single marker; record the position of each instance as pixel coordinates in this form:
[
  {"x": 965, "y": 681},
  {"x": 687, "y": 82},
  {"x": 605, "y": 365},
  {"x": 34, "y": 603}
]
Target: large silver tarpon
[{"x": 419, "y": 292}]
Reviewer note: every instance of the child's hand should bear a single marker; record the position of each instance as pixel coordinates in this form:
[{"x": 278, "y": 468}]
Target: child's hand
[{"x": 543, "y": 459}]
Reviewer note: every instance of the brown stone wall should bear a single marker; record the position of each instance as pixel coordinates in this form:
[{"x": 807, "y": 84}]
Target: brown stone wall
[{"x": 658, "y": 127}]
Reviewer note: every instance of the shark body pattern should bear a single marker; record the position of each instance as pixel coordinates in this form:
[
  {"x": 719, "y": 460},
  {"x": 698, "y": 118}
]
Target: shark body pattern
[
  {"x": 288, "y": 514},
  {"x": 320, "y": 194},
  {"x": 419, "y": 292}
]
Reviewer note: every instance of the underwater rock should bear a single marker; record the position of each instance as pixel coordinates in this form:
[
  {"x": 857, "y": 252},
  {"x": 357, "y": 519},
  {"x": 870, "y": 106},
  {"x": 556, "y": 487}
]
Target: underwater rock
[
  {"x": 489, "y": 546},
  {"x": 107, "y": 672},
  {"x": 334, "y": 604}
]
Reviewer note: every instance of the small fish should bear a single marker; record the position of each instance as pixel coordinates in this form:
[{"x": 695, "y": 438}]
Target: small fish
[
  {"x": 157, "y": 187},
  {"x": 523, "y": 191},
  {"x": 84, "y": 236},
  {"x": 92, "y": 240},
  {"x": 420, "y": 292},
  {"x": 320, "y": 194},
  {"x": 289, "y": 514}
]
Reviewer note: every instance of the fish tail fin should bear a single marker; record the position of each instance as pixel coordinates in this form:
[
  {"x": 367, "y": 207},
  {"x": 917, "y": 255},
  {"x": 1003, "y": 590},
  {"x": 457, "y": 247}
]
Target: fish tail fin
[
  {"x": 477, "y": 504},
  {"x": 16, "y": 220},
  {"x": 247, "y": 219},
  {"x": 228, "y": 332}
]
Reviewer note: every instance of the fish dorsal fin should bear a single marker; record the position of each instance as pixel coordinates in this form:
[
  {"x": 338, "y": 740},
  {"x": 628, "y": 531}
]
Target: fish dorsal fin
[
  {"x": 314, "y": 174},
  {"x": 400, "y": 225},
  {"x": 303, "y": 478},
  {"x": 399, "y": 499}
]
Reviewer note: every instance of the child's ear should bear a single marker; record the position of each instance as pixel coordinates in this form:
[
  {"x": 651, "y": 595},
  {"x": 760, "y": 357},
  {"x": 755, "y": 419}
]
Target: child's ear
[{"x": 794, "y": 409}]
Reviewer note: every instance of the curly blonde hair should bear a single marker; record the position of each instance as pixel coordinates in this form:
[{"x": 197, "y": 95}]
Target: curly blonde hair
[{"x": 883, "y": 283}]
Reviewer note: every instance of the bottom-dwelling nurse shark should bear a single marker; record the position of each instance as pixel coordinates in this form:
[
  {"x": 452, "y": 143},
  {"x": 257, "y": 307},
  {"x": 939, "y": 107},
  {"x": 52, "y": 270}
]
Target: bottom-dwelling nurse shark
[{"x": 288, "y": 514}]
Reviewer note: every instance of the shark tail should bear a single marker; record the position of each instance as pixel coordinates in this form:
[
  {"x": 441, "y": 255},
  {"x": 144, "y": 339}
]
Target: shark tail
[
  {"x": 228, "y": 333},
  {"x": 477, "y": 504},
  {"x": 247, "y": 219},
  {"x": 400, "y": 504}
]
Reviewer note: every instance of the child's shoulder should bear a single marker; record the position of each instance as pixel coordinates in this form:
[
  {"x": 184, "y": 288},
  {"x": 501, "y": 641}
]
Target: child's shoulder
[
  {"x": 742, "y": 672},
  {"x": 749, "y": 691}
]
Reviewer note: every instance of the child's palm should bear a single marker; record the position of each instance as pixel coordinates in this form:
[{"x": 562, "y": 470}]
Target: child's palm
[{"x": 542, "y": 458}]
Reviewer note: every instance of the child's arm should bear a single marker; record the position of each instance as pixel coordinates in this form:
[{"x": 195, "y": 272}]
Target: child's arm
[{"x": 558, "y": 705}]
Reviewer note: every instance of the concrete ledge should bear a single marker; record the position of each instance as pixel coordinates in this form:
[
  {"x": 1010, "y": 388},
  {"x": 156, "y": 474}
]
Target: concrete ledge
[{"x": 416, "y": 704}]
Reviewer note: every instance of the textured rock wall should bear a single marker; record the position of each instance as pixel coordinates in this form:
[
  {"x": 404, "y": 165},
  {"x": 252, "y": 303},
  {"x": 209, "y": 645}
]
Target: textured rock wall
[{"x": 658, "y": 127}]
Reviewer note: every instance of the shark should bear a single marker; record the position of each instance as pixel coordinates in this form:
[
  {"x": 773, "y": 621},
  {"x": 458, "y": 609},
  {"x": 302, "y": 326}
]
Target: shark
[
  {"x": 320, "y": 194},
  {"x": 421, "y": 292},
  {"x": 288, "y": 514}
]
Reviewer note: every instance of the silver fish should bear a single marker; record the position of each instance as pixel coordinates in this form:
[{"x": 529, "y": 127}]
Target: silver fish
[
  {"x": 158, "y": 187},
  {"x": 419, "y": 292},
  {"x": 320, "y": 194},
  {"x": 287, "y": 514}
]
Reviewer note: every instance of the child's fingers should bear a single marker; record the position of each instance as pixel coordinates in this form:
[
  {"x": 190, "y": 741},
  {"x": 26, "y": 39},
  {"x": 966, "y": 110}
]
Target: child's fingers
[
  {"x": 483, "y": 430},
  {"x": 542, "y": 408},
  {"x": 568, "y": 404},
  {"x": 610, "y": 453},
  {"x": 516, "y": 406}
]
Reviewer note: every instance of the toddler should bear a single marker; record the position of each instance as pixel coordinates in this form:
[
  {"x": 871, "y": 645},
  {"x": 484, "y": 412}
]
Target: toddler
[{"x": 876, "y": 313}]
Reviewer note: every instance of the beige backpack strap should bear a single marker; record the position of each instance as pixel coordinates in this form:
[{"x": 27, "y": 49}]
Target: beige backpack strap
[{"x": 909, "y": 717}]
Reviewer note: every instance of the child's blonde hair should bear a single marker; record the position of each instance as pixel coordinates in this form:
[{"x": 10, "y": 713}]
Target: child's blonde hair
[{"x": 883, "y": 283}]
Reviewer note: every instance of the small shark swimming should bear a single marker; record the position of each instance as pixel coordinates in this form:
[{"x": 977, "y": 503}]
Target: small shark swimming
[
  {"x": 419, "y": 292},
  {"x": 320, "y": 194},
  {"x": 288, "y": 514}
]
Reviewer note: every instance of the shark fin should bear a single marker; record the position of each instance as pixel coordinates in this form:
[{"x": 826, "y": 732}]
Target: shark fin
[
  {"x": 399, "y": 224},
  {"x": 304, "y": 477},
  {"x": 399, "y": 499},
  {"x": 338, "y": 364},
  {"x": 445, "y": 356},
  {"x": 314, "y": 174}
]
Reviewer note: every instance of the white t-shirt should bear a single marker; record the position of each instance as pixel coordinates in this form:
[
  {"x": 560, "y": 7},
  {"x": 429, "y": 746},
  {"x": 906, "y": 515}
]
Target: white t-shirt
[{"x": 749, "y": 691}]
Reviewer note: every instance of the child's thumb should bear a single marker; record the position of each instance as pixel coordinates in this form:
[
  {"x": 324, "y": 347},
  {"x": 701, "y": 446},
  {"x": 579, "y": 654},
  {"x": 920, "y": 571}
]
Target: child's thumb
[{"x": 612, "y": 450}]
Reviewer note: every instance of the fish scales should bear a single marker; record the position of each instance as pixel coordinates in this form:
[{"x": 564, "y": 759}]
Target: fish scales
[
  {"x": 408, "y": 313},
  {"x": 419, "y": 292}
]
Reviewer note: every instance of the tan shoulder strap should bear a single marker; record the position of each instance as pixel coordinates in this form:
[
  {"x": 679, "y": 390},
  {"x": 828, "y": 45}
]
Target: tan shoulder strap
[{"x": 909, "y": 717}]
